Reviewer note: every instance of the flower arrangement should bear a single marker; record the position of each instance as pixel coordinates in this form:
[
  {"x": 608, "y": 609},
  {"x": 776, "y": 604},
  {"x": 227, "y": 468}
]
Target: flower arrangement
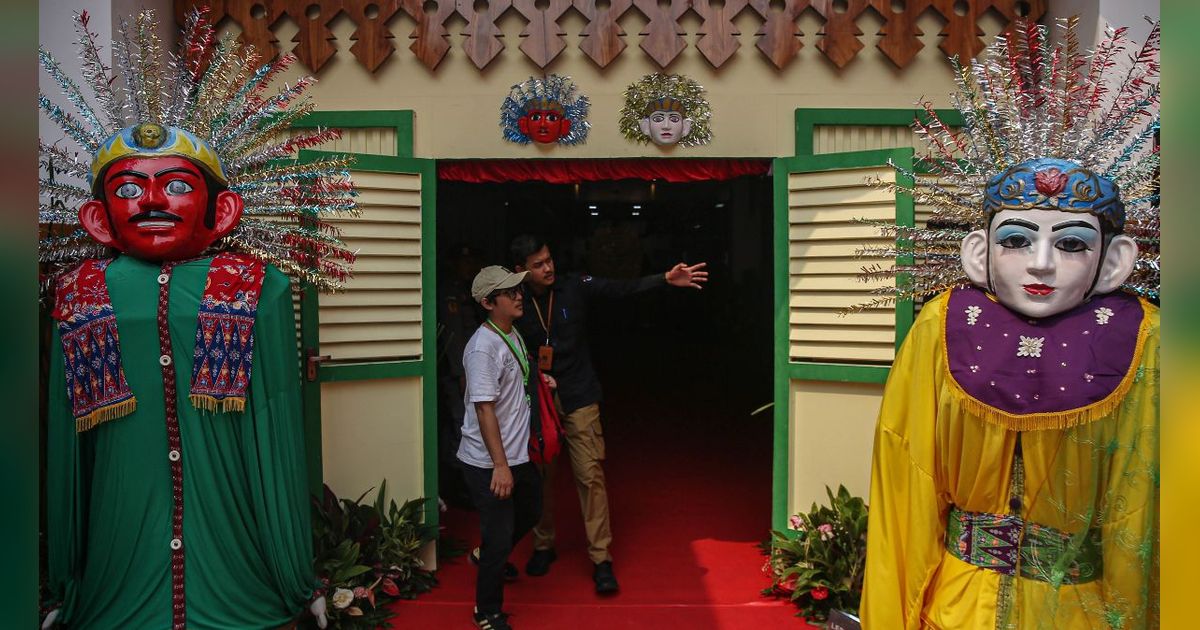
[
  {"x": 367, "y": 556},
  {"x": 819, "y": 562}
]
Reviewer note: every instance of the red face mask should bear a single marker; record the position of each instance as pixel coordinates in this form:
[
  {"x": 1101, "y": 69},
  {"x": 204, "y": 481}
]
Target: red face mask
[
  {"x": 544, "y": 125},
  {"x": 155, "y": 208}
]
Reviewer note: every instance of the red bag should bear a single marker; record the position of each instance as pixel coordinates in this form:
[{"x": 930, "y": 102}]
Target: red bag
[{"x": 545, "y": 440}]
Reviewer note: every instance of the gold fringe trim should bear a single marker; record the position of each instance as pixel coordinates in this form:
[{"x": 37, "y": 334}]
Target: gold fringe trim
[
  {"x": 1052, "y": 419},
  {"x": 104, "y": 414},
  {"x": 204, "y": 402}
]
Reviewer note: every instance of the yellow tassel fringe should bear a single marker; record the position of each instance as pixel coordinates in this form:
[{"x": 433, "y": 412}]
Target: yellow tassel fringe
[
  {"x": 205, "y": 402},
  {"x": 1055, "y": 419},
  {"x": 104, "y": 414}
]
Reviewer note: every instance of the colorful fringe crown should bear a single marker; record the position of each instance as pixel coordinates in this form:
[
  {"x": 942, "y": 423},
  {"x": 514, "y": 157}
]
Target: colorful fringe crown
[
  {"x": 213, "y": 91},
  {"x": 1023, "y": 101}
]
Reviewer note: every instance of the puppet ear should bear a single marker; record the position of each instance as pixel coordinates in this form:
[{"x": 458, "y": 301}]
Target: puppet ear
[
  {"x": 1117, "y": 264},
  {"x": 644, "y": 125},
  {"x": 566, "y": 126},
  {"x": 974, "y": 257},
  {"x": 523, "y": 125},
  {"x": 687, "y": 128},
  {"x": 229, "y": 206},
  {"x": 94, "y": 218}
]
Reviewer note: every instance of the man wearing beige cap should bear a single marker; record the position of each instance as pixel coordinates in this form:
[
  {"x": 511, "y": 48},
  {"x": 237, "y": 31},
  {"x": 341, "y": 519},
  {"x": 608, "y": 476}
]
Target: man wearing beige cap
[{"x": 504, "y": 485}]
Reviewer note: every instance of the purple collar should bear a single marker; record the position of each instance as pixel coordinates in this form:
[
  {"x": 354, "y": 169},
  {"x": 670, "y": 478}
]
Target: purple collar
[{"x": 1042, "y": 368}]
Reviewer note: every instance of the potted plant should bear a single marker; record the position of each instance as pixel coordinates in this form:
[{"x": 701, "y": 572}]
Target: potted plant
[
  {"x": 367, "y": 556},
  {"x": 819, "y": 562}
]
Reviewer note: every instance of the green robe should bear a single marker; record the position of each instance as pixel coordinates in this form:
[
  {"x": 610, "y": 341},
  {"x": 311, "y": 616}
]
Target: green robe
[{"x": 246, "y": 535}]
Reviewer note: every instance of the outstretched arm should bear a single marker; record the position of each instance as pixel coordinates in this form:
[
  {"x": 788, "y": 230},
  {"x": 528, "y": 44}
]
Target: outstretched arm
[{"x": 681, "y": 275}]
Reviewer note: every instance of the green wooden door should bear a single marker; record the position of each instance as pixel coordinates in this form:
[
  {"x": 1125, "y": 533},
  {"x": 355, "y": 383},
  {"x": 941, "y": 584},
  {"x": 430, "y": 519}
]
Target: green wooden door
[{"x": 829, "y": 366}]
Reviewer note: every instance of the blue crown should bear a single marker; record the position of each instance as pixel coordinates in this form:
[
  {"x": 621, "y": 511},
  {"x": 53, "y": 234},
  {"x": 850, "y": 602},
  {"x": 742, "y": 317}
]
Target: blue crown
[{"x": 1055, "y": 184}]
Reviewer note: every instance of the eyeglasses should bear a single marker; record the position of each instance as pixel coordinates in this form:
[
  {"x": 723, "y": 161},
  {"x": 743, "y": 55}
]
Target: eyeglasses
[{"x": 510, "y": 293}]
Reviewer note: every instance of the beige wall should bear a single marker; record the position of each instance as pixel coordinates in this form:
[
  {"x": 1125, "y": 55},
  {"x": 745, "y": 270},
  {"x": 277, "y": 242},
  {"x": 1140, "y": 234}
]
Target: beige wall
[
  {"x": 831, "y": 427},
  {"x": 371, "y": 431},
  {"x": 457, "y": 106}
]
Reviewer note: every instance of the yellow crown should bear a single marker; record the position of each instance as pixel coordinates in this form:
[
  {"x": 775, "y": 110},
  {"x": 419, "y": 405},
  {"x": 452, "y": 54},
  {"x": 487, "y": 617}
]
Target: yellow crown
[{"x": 153, "y": 140}]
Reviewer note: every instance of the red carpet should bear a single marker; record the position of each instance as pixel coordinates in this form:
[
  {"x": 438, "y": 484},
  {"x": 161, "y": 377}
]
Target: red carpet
[{"x": 689, "y": 478}]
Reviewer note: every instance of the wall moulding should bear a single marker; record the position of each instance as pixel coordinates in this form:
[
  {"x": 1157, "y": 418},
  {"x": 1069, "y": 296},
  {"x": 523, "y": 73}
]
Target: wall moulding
[{"x": 603, "y": 40}]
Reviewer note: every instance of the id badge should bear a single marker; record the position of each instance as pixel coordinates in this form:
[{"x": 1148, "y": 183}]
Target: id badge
[{"x": 545, "y": 358}]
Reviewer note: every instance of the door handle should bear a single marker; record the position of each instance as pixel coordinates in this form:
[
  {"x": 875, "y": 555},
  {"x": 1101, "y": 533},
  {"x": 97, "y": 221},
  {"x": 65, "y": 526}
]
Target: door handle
[{"x": 312, "y": 363}]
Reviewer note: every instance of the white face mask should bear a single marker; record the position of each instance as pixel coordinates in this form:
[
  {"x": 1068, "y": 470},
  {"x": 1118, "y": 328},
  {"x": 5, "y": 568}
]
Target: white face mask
[
  {"x": 666, "y": 127},
  {"x": 1043, "y": 262}
]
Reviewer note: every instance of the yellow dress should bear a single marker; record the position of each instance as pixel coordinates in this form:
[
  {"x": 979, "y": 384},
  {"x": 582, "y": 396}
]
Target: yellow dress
[{"x": 937, "y": 449}]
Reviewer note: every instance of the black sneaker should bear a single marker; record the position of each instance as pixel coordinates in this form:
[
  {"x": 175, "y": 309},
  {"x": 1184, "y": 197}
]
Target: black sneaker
[
  {"x": 539, "y": 562},
  {"x": 606, "y": 582},
  {"x": 510, "y": 569},
  {"x": 494, "y": 621}
]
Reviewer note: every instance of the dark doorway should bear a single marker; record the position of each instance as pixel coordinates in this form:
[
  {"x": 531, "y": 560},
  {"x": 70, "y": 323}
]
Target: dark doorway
[{"x": 681, "y": 370}]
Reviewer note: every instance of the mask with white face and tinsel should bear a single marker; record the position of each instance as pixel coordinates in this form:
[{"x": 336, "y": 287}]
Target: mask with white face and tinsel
[{"x": 1053, "y": 238}]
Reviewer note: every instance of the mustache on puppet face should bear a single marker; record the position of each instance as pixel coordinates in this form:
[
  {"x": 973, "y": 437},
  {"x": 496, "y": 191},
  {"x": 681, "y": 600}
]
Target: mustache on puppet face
[{"x": 155, "y": 215}]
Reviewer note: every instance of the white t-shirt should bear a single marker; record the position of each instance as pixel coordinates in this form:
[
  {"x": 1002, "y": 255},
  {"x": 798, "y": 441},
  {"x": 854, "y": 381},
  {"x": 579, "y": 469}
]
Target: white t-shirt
[{"x": 494, "y": 375}]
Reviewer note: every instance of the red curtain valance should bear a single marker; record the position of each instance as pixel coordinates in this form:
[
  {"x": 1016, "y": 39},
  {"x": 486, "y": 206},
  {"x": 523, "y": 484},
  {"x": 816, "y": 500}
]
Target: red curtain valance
[{"x": 575, "y": 171}]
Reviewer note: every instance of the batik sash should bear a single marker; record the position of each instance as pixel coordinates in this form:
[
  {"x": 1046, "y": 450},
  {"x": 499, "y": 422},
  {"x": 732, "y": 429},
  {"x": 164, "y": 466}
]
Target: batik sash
[
  {"x": 96, "y": 386},
  {"x": 225, "y": 333},
  {"x": 95, "y": 379}
]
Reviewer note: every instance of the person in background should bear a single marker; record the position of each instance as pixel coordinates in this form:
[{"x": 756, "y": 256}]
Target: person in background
[
  {"x": 458, "y": 318},
  {"x": 556, "y": 323},
  {"x": 504, "y": 485}
]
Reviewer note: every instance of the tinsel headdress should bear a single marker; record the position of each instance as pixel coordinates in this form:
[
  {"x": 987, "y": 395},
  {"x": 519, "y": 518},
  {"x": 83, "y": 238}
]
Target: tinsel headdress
[
  {"x": 553, "y": 92},
  {"x": 676, "y": 92},
  {"x": 209, "y": 97},
  {"x": 1024, "y": 101}
]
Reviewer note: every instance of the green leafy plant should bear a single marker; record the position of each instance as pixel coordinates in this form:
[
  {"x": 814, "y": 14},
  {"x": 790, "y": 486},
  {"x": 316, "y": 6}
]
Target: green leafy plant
[
  {"x": 367, "y": 556},
  {"x": 819, "y": 563}
]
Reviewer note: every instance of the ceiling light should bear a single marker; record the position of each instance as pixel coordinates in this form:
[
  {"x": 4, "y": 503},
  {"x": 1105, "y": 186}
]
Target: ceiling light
[
  {"x": 637, "y": 207},
  {"x": 591, "y": 207}
]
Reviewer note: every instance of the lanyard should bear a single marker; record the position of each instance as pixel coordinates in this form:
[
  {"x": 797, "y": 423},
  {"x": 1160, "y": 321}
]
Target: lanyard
[
  {"x": 549, "y": 319},
  {"x": 522, "y": 359}
]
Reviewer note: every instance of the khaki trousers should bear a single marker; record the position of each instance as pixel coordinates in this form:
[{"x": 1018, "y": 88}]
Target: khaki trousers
[{"x": 585, "y": 446}]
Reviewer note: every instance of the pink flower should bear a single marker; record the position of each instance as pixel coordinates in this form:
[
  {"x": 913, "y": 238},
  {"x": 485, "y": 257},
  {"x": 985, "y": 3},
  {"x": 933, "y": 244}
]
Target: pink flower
[
  {"x": 1050, "y": 182},
  {"x": 360, "y": 592},
  {"x": 796, "y": 522},
  {"x": 819, "y": 593},
  {"x": 826, "y": 531}
]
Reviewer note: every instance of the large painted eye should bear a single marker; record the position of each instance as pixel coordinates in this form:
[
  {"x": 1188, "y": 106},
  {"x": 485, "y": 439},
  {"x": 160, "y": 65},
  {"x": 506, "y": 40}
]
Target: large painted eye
[
  {"x": 552, "y": 117},
  {"x": 1015, "y": 241},
  {"x": 658, "y": 118},
  {"x": 129, "y": 190},
  {"x": 1073, "y": 245},
  {"x": 676, "y": 118},
  {"x": 535, "y": 117},
  {"x": 178, "y": 187}
]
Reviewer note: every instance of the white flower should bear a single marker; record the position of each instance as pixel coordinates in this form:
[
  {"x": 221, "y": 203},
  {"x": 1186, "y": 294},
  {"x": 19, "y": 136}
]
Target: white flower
[
  {"x": 1102, "y": 315},
  {"x": 972, "y": 312},
  {"x": 1030, "y": 346},
  {"x": 342, "y": 597}
]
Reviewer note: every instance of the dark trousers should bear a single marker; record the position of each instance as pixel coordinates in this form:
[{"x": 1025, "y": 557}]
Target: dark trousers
[{"x": 501, "y": 524}]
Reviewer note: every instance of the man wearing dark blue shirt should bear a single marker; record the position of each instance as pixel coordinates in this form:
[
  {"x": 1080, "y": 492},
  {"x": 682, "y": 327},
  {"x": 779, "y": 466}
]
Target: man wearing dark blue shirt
[{"x": 554, "y": 322}]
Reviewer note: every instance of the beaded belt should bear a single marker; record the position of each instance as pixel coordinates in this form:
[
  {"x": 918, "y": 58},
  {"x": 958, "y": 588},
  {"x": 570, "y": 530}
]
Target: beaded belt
[{"x": 1005, "y": 542}]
